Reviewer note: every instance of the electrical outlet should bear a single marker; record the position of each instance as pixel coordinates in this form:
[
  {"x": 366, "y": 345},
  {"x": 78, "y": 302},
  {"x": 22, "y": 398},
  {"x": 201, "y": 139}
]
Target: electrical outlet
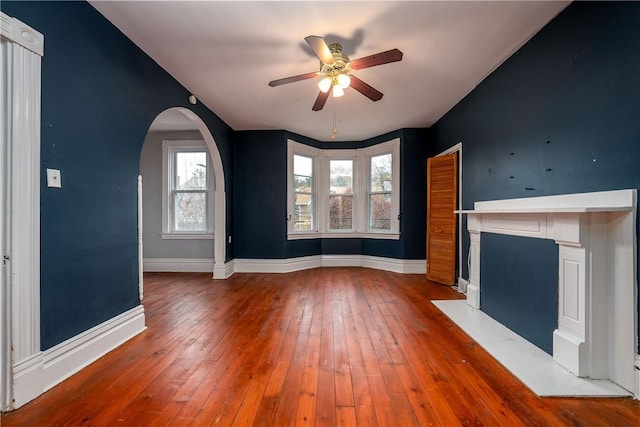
[{"x": 53, "y": 178}]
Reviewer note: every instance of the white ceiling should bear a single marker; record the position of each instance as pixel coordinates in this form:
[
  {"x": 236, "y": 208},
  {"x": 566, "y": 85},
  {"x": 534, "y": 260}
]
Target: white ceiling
[{"x": 225, "y": 52}]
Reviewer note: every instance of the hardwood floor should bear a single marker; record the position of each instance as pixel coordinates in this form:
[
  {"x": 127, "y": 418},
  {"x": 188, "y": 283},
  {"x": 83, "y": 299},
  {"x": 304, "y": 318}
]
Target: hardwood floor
[{"x": 321, "y": 347}]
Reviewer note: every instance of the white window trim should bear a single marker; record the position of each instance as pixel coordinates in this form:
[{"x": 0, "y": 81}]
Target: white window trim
[
  {"x": 327, "y": 156},
  {"x": 361, "y": 158},
  {"x": 294, "y": 148},
  {"x": 168, "y": 147}
]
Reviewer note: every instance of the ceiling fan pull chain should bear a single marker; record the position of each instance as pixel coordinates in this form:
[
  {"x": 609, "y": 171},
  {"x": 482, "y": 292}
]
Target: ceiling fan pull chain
[{"x": 335, "y": 129}]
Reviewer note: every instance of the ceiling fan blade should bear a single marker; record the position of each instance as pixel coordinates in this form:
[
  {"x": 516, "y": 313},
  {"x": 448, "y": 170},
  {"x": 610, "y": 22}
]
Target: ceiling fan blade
[
  {"x": 393, "y": 55},
  {"x": 321, "y": 100},
  {"x": 319, "y": 46},
  {"x": 365, "y": 89},
  {"x": 292, "y": 79}
]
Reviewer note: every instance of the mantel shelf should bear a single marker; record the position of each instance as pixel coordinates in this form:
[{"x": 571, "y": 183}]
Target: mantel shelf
[{"x": 546, "y": 210}]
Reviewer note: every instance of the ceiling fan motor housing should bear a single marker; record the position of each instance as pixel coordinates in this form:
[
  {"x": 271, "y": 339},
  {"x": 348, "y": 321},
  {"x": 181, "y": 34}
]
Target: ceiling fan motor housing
[{"x": 341, "y": 64}]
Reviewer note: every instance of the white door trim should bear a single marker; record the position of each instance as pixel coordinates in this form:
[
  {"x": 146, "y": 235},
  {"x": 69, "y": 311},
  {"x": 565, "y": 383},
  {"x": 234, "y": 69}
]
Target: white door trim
[
  {"x": 22, "y": 49},
  {"x": 453, "y": 149}
]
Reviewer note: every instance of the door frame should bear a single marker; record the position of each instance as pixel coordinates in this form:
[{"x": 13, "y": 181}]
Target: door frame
[
  {"x": 461, "y": 282},
  {"x": 22, "y": 49}
]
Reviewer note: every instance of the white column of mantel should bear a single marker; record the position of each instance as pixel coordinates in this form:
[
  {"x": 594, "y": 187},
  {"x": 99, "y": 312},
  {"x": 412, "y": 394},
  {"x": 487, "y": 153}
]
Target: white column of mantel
[
  {"x": 580, "y": 342},
  {"x": 569, "y": 340},
  {"x": 569, "y": 347},
  {"x": 474, "y": 225}
]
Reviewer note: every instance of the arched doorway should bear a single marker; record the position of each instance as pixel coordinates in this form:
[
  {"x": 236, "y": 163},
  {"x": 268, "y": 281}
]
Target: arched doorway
[{"x": 182, "y": 124}]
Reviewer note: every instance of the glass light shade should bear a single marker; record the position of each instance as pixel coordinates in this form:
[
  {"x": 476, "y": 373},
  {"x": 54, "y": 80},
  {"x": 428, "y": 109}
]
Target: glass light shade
[
  {"x": 344, "y": 81},
  {"x": 337, "y": 91},
  {"x": 325, "y": 84}
]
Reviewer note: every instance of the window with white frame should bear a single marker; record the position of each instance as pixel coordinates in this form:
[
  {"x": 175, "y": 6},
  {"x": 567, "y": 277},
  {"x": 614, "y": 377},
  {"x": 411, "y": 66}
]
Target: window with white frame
[
  {"x": 343, "y": 193},
  {"x": 303, "y": 193},
  {"x": 187, "y": 196},
  {"x": 380, "y": 192},
  {"x": 340, "y": 194}
]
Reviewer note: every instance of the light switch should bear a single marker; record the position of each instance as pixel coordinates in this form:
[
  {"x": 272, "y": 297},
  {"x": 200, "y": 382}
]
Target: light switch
[{"x": 53, "y": 178}]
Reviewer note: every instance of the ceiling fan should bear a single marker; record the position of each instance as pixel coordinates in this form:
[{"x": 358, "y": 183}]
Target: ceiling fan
[{"x": 336, "y": 67}]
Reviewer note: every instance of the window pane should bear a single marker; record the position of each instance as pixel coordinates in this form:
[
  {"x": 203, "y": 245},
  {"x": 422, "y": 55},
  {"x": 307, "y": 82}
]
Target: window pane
[
  {"x": 340, "y": 212},
  {"x": 191, "y": 170},
  {"x": 302, "y": 165},
  {"x": 190, "y": 213},
  {"x": 303, "y": 212},
  {"x": 381, "y": 173},
  {"x": 380, "y": 211},
  {"x": 302, "y": 184},
  {"x": 302, "y": 174},
  {"x": 341, "y": 176}
]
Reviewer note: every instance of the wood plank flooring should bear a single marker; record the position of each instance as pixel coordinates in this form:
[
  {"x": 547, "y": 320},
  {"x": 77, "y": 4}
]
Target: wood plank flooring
[{"x": 321, "y": 347}]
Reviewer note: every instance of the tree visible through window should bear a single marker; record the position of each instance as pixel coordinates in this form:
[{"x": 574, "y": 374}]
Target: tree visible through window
[
  {"x": 187, "y": 190},
  {"x": 341, "y": 194},
  {"x": 190, "y": 191},
  {"x": 380, "y": 193}
]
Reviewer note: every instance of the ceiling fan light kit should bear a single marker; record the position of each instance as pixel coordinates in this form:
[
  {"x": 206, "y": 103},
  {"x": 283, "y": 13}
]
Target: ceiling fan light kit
[
  {"x": 342, "y": 81},
  {"x": 335, "y": 68},
  {"x": 325, "y": 84}
]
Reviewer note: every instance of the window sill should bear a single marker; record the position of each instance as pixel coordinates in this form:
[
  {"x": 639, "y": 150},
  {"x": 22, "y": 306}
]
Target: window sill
[
  {"x": 345, "y": 235},
  {"x": 187, "y": 236}
]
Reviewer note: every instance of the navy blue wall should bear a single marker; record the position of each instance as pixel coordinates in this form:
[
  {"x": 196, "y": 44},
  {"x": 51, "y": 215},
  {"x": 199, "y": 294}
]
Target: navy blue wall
[
  {"x": 521, "y": 299},
  {"x": 261, "y": 187},
  {"x": 100, "y": 93},
  {"x": 559, "y": 116}
]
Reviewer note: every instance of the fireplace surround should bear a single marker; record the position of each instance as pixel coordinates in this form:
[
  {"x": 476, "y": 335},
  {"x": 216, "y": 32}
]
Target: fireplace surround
[{"x": 597, "y": 274}]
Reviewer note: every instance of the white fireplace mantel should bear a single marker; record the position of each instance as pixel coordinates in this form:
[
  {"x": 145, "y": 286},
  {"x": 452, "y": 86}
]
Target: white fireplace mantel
[{"x": 597, "y": 314}]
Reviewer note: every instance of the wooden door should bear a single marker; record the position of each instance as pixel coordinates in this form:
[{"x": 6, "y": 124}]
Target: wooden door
[{"x": 442, "y": 194}]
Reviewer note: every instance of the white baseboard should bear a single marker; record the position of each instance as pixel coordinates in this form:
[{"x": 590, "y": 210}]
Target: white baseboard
[
  {"x": 182, "y": 265},
  {"x": 462, "y": 285},
  {"x": 27, "y": 384},
  {"x": 287, "y": 265},
  {"x": 223, "y": 271},
  {"x": 49, "y": 368}
]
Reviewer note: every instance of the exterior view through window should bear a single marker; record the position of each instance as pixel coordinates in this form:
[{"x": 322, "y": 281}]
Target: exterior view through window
[
  {"x": 341, "y": 194},
  {"x": 380, "y": 193},
  {"x": 187, "y": 190},
  {"x": 303, "y": 193},
  {"x": 190, "y": 191}
]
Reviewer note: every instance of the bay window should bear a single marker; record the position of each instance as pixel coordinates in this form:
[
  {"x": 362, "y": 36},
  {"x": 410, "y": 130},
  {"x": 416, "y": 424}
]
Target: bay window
[{"x": 343, "y": 193}]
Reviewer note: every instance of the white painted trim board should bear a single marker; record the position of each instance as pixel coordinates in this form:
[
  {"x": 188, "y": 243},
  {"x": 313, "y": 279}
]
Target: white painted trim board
[
  {"x": 191, "y": 265},
  {"x": 48, "y": 368},
  {"x": 286, "y": 265}
]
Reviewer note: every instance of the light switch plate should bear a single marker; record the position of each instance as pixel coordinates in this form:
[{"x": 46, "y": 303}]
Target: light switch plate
[{"x": 53, "y": 178}]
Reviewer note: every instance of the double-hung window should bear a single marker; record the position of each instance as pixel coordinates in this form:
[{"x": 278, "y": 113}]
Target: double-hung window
[
  {"x": 303, "y": 193},
  {"x": 343, "y": 193},
  {"x": 340, "y": 191},
  {"x": 380, "y": 192},
  {"x": 187, "y": 199}
]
